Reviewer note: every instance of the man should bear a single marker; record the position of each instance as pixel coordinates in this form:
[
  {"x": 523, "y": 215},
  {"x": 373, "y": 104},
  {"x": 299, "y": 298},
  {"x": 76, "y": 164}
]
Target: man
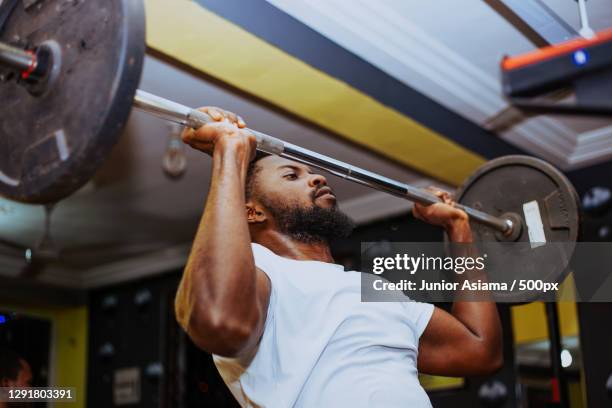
[
  {"x": 15, "y": 372},
  {"x": 286, "y": 325}
]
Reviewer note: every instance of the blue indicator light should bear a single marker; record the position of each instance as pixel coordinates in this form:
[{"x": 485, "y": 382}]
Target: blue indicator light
[
  {"x": 580, "y": 57},
  {"x": 2, "y": 319}
]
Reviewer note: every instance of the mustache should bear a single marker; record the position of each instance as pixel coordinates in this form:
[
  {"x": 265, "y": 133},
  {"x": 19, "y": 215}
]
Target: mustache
[{"x": 315, "y": 193}]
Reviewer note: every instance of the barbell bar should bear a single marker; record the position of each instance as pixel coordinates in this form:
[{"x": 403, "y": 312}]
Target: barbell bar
[
  {"x": 27, "y": 62},
  {"x": 15, "y": 58},
  {"x": 194, "y": 118}
]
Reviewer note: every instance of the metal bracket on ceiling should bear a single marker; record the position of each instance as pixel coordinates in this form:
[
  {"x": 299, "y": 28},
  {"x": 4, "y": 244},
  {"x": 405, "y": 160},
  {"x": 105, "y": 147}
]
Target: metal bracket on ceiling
[{"x": 535, "y": 20}]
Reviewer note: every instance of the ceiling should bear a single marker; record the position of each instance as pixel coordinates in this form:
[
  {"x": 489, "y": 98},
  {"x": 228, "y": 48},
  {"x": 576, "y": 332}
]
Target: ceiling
[
  {"x": 450, "y": 51},
  {"x": 132, "y": 220}
]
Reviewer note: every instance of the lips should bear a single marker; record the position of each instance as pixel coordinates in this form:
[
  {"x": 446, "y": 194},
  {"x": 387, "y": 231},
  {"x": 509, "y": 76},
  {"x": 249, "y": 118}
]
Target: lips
[{"x": 325, "y": 190}]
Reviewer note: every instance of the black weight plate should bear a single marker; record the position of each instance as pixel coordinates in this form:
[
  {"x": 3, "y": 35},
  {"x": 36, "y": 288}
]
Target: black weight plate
[
  {"x": 52, "y": 144},
  {"x": 506, "y": 185}
]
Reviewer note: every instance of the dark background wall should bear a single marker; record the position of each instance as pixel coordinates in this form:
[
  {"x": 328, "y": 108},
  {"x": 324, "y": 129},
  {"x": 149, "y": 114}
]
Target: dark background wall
[
  {"x": 30, "y": 338},
  {"x": 132, "y": 326}
]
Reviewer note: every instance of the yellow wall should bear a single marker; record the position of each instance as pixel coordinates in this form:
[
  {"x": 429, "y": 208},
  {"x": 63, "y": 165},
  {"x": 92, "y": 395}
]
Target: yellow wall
[
  {"x": 529, "y": 321},
  {"x": 69, "y": 352}
]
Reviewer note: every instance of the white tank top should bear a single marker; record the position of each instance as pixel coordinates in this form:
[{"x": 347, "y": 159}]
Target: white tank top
[{"x": 322, "y": 347}]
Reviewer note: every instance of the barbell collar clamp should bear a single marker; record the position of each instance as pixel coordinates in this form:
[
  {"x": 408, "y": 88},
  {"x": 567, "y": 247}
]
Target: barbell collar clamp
[
  {"x": 15, "y": 58},
  {"x": 37, "y": 68}
]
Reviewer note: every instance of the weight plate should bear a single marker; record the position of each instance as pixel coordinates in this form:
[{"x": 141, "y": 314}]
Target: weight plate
[
  {"x": 51, "y": 144},
  {"x": 517, "y": 185}
]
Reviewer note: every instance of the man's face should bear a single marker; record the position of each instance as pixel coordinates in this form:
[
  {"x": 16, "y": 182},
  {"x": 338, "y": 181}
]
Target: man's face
[
  {"x": 299, "y": 202},
  {"x": 23, "y": 379},
  {"x": 293, "y": 184}
]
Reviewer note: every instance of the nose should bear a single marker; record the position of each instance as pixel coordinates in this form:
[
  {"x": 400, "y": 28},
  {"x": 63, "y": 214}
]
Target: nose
[{"x": 317, "y": 180}]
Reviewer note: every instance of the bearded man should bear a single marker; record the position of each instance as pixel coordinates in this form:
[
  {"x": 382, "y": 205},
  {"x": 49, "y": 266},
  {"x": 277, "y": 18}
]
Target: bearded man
[{"x": 285, "y": 324}]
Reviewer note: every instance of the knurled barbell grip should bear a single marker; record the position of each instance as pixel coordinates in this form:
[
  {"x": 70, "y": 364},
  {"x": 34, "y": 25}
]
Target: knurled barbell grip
[
  {"x": 265, "y": 143},
  {"x": 193, "y": 118}
]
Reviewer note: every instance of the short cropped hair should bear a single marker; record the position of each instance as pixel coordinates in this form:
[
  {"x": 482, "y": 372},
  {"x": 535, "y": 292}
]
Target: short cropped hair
[{"x": 252, "y": 173}]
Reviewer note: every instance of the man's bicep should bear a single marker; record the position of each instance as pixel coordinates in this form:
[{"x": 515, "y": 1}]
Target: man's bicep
[{"x": 444, "y": 345}]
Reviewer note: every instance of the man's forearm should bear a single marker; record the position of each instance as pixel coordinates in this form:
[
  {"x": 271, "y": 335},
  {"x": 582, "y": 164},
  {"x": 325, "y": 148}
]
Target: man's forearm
[
  {"x": 218, "y": 289},
  {"x": 481, "y": 318}
]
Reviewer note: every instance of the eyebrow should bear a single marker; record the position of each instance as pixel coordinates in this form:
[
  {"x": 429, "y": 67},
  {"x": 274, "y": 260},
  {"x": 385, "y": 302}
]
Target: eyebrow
[{"x": 290, "y": 166}]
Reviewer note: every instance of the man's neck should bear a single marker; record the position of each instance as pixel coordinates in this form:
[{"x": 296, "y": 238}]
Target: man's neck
[{"x": 288, "y": 247}]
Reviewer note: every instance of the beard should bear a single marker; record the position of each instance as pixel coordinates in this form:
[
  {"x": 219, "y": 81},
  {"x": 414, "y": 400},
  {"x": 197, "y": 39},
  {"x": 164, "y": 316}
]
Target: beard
[{"x": 310, "y": 224}]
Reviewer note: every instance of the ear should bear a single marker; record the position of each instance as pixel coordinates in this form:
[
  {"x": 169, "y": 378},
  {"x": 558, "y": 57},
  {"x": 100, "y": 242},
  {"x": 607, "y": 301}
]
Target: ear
[{"x": 255, "y": 214}]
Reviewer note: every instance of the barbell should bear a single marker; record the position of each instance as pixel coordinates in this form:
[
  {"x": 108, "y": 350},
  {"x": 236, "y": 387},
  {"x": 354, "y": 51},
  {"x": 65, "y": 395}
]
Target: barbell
[{"x": 69, "y": 71}]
